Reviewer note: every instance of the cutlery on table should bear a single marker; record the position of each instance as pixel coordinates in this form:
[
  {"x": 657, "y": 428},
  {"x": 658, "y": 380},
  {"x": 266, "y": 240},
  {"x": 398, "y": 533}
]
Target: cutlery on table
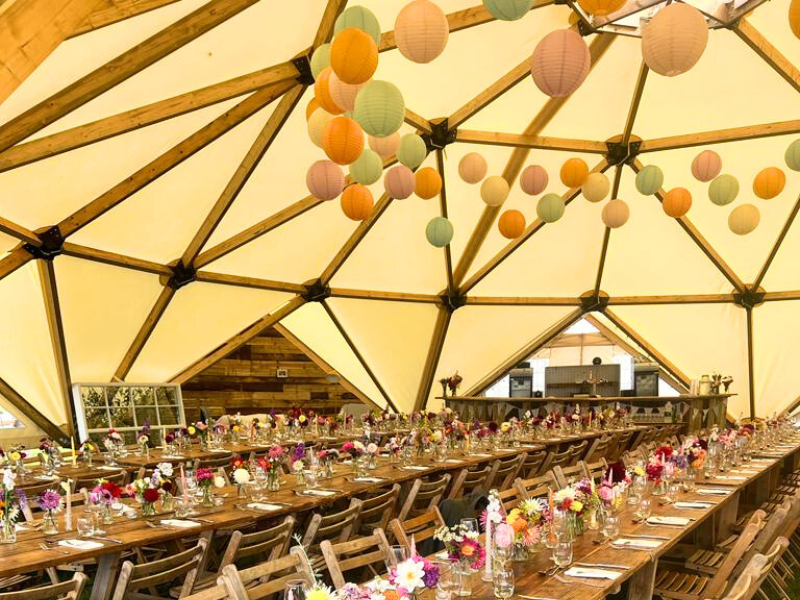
[
  {"x": 104, "y": 539},
  {"x": 647, "y": 537},
  {"x": 44, "y": 546},
  {"x": 578, "y": 580},
  {"x": 602, "y": 566}
]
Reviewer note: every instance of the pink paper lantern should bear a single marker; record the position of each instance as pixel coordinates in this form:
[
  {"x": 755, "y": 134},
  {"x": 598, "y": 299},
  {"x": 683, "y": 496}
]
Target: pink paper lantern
[
  {"x": 615, "y": 213},
  {"x": 560, "y": 63},
  {"x": 674, "y": 39},
  {"x": 706, "y": 165},
  {"x": 472, "y": 167},
  {"x": 344, "y": 94},
  {"x": 325, "y": 180},
  {"x": 533, "y": 180},
  {"x": 399, "y": 182},
  {"x": 386, "y": 146},
  {"x": 421, "y": 31}
]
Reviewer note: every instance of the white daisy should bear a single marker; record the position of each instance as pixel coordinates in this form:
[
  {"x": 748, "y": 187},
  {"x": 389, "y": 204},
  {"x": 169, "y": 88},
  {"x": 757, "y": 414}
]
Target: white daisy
[{"x": 410, "y": 575}]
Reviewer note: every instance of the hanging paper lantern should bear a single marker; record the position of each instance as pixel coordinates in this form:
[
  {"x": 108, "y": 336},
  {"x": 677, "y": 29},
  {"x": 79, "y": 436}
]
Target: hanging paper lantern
[
  {"x": 380, "y": 108},
  {"x": 399, "y": 182},
  {"x": 360, "y": 18},
  {"x": 320, "y": 58},
  {"x": 794, "y": 17},
  {"x": 601, "y": 8},
  {"x": 357, "y": 202},
  {"x": 322, "y": 92},
  {"x": 428, "y": 183},
  {"x": 439, "y": 232},
  {"x": 550, "y": 208},
  {"x": 367, "y": 169},
  {"x": 421, "y": 31},
  {"x": 508, "y": 10},
  {"x": 325, "y": 180},
  {"x": 615, "y": 213},
  {"x": 385, "y": 146},
  {"x": 769, "y": 183},
  {"x": 574, "y": 172},
  {"x": 649, "y": 180},
  {"x": 472, "y": 167},
  {"x": 744, "y": 219},
  {"x": 723, "y": 190},
  {"x": 354, "y": 56},
  {"x": 412, "y": 150},
  {"x": 596, "y": 187},
  {"x": 533, "y": 180},
  {"x": 343, "y": 94},
  {"x": 494, "y": 190},
  {"x": 343, "y": 140},
  {"x": 560, "y": 62},
  {"x": 313, "y": 105},
  {"x": 511, "y": 224},
  {"x": 674, "y": 40},
  {"x": 317, "y": 123},
  {"x": 677, "y": 202},
  {"x": 792, "y": 156},
  {"x": 706, "y": 165}
]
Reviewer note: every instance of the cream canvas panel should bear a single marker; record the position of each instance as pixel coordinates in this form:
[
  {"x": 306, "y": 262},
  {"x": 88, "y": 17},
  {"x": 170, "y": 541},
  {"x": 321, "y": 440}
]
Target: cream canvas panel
[
  {"x": 312, "y": 326},
  {"x": 775, "y": 333},
  {"x": 394, "y": 338},
  {"x": 200, "y": 317},
  {"x": 783, "y": 273},
  {"x": 28, "y": 435}
]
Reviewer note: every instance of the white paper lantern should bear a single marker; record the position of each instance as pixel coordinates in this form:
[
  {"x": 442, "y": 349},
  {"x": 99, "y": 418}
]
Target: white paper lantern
[
  {"x": 472, "y": 167},
  {"x": 743, "y": 219},
  {"x": 317, "y": 122},
  {"x": 674, "y": 40},
  {"x": 596, "y": 187},
  {"x": 421, "y": 31},
  {"x": 615, "y": 213},
  {"x": 385, "y": 146},
  {"x": 494, "y": 190},
  {"x": 560, "y": 62}
]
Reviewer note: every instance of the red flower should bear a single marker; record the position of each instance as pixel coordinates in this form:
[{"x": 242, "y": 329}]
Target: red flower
[
  {"x": 112, "y": 488},
  {"x": 150, "y": 495}
]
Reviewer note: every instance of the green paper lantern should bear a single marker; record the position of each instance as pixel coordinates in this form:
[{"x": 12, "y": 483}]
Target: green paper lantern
[
  {"x": 723, "y": 190},
  {"x": 367, "y": 168},
  {"x": 792, "y": 156},
  {"x": 412, "y": 150},
  {"x": 320, "y": 59},
  {"x": 508, "y": 10},
  {"x": 362, "y": 18},
  {"x": 380, "y": 108},
  {"x": 439, "y": 232},
  {"x": 649, "y": 180},
  {"x": 550, "y": 208}
]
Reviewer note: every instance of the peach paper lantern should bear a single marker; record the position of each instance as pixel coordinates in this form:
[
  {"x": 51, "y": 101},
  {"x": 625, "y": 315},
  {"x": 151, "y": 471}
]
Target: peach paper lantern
[
  {"x": 343, "y": 140},
  {"x": 385, "y": 146},
  {"x": 325, "y": 180},
  {"x": 574, "y": 172},
  {"x": 615, "y": 213},
  {"x": 511, "y": 224},
  {"x": 428, "y": 183},
  {"x": 706, "y": 166},
  {"x": 601, "y": 8},
  {"x": 357, "y": 202},
  {"x": 343, "y": 94},
  {"x": 317, "y": 123},
  {"x": 744, "y": 219},
  {"x": 399, "y": 182},
  {"x": 677, "y": 202},
  {"x": 769, "y": 183},
  {"x": 674, "y": 39},
  {"x": 322, "y": 92},
  {"x": 421, "y": 31},
  {"x": 560, "y": 62},
  {"x": 533, "y": 180},
  {"x": 354, "y": 56},
  {"x": 472, "y": 167},
  {"x": 494, "y": 190}
]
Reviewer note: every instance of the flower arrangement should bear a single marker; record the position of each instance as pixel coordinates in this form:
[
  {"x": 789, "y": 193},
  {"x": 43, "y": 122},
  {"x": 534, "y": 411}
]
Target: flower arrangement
[
  {"x": 12, "y": 501},
  {"x": 112, "y": 440},
  {"x": 354, "y": 448},
  {"x": 50, "y": 501},
  {"x": 462, "y": 545},
  {"x": 143, "y": 439},
  {"x": 147, "y": 490},
  {"x": 105, "y": 493},
  {"x": 691, "y": 455},
  {"x": 414, "y": 574},
  {"x": 206, "y": 479},
  {"x": 526, "y": 521},
  {"x": 198, "y": 430}
]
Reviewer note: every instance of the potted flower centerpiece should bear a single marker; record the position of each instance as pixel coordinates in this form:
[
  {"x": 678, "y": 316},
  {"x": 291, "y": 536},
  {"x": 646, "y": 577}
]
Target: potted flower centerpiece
[
  {"x": 526, "y": 520},
  {"x": 51, "y": 502},
  {"x": 355, "y": 450},
  {"x": 241, "y": 475},
  {"x": 104, "y": 495},
  {"x": 11, "y": 502},
  {"x": 465, "y": 551},
  {"x": 143, "y": 439},
  {"x": 206, "y": 480},
  {"x": 273, "y": 462},
  {"x": 88, "y": 449},
  {"x": 113, "y": 443},
  {"x": 49, "y": 456},
  {"x": 298, "y": 464}
]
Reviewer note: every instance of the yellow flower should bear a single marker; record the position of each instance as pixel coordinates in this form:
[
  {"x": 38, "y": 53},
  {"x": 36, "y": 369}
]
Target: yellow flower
[
  {"x": 318, "y": 594},
  {"x": 14, "y": 456},
  {"x": 236, "y": 428},
  {"x": 303, "y": 419},
  {"x": 191, "y": 430},
  {"x": 505, "y": 427},
  {"x": 577, "y": 506},
  {"x": 638, "y": 470},
  {"x": 513, "y": 516}
]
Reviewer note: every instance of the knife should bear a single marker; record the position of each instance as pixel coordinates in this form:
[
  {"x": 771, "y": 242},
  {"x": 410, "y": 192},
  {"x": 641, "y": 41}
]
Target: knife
[
  {"x": 647, "y": 537},
  {"x": 105, "y": 539},
  {"x": 603, "y": 565}
]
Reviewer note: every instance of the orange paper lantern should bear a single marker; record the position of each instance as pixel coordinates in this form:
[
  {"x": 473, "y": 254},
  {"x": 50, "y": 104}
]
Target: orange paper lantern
[
  {"x": 794, "y": 17},
  {"x": 428, "y": 184},
  {"x": 511, "y": 224},
  {"x": 357, "y": 202},
  {"x": 601, "y": 8},
  {"x": 769, "y": 183},
  {"x": 677, "y": 202},
  {"x": 312, "y": 106},
  {"x": 343, "y": 140},
  {"x": 322, "y": 92},
  {"x": 354, "y": 56},
  {"x": 574, "y": 172}
]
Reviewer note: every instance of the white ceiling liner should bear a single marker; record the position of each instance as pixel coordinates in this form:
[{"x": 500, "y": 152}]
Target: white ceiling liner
[{"x": 650, "y": 256}]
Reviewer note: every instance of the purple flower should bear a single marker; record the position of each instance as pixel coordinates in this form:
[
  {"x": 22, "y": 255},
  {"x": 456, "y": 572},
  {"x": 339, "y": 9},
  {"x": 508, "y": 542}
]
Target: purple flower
[
  {"x": 299, "y": 452},
  {"x": 49, "y": 500}
]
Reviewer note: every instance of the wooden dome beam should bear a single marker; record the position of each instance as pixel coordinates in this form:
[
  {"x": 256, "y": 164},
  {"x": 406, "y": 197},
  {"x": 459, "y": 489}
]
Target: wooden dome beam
[
  {"x": 776, "y": 246},
  {"x": 532, "y": 142},
  {"x": 768, "y": 53},
  {"x": 448, "y": 260},
  {"x": 117, "y": 11},
  {"x": 720, "y": 136}
]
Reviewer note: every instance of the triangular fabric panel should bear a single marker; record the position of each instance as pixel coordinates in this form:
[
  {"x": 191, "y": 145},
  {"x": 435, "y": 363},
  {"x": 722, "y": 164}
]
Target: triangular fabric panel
[
  {"x": 394, "y": 337},
  {"x": 312, "y": 326},
  {"x": 199, "y": 318},
  {"x": 28, "y": 435},
  {"x": 775, "y": 331}
]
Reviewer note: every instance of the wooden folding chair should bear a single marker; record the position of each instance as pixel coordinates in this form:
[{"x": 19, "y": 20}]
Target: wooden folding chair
[
  {"x": 421, "y": 528},
  {"x": 504, "y": 471},
  {"x": 577, "y": 452},
  {"x": 423, "y": 496},
  {"x": 467, "y": 480},
  {"x": 377, "y": 511},
  {"x": 536, "y": 486},
  {"x": 120, "y": 478},
  {"x": 335, "y": 527},
  {"x": 599, "y": 448},
  {"x": 359, "y": 554},
  {"x": 596, "y": 470},
  {"x": 268, "y": 544},
  {"x": 565, "y": 475},
  {"x": 536, "y": 462},
  {"x": 66, "y": 590},
  {"x": 264, "y": 580}
]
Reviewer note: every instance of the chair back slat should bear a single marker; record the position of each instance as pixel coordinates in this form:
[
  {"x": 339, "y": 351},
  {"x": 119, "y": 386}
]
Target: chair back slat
[
  {"x": 422, "y": 527},
  {"x": 467, "y": 481},
  {"x": 377, "y": 511},
  {"x": 343, "y": 558},
  {"x": 505, "y": 471},
  {"x": 260, "y": 582},
  {"x": 66, "y": 590},
  {"x": 535, "y": 463},
  {"x": 537, "y": 486},
  {"x": 271, "y": 543},
  {"x": 184, "y": 565},
  {"x": 716, "y": 587},
  {"x": 423, "y": 496}
]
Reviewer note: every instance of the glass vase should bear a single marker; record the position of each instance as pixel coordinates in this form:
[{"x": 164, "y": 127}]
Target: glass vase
[
  {"x": 107, "y": 517},
  {"x": 50, "y": 525},
  {"x": 167, "y": 502},
  {"x": 206, "y": 500},
  {"x": 8, "y": 533},
  {"x": 373, "y": 461},
  {"x": 148, "y": 509},
  {"x": 659, "y": 487},
  {"x": 462, "y": 579},
  {"x": 273, "y": 481}
]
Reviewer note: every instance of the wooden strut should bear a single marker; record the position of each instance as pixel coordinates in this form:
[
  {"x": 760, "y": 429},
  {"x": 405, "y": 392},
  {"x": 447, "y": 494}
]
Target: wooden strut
[
  {"x": 116, "y": 12},
  {"x": 438, "y": 337},
  {"x": 776, "y": 246},
  {"x": 448, "y": 261},
  {"x": 29, "y": 411},
  {"x": 721, "y": 136},
  {"x": 349, "y": 341},
  {"x": 490, "y": 94},
  {"x": 769, "y": 53},
  {"x": 533, "y": 142},
  {"x": 750, "y": 362},
  {"x": 333, "y": 9}
]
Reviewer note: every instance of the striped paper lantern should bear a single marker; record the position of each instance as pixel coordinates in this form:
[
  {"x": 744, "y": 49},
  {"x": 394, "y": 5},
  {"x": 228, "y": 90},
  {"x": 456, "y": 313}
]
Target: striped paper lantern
[
  {"x": 674, "y": 39},
  {"x": 574, "y": 172},
  {"x": 317, "y": 123},
  {"x": 615, "y": 213},
  {"x": 343, "y": 94},
  {"x": 322, "y": 92},
  {"x": 511, "y": 224},
  {"x": 769, "y": 183},
  {"x": 385, "y": 146},
  {"x": 792, "y": 156},
  {"x": 428, "y": 183},
  {"x": 550, "y": 208},
  {"x": 357, "y": 202},
  {"x": 325, "y": 180},
  {"x": 354, "y": 56},
  {"x": 367, "y": 168},
  {"x": 380, "y": 108},
  {"x": 508, "y": 10},
  {"x": 421, "y": 31},
  {"x": 360, "y": 18},
  {"x": 494, "y": 190},
  {"x": 649, "y": 180},
  {"x": 320, "y": 59},
  {"x": 312, "y": 105},
  {"x": 343, "y": 140},
  {"x": 601, "y": 8},
  {"x": 472, "y": 168},
  {"x": 706, "y": 165},
  {"x": 439, "y": 232},
  {"x": 399, "y": 182},
  {"x": 794, "y": 17},
  {"x": 723, "y": 190},
  {"x": 744, "y": 219},
  {"x": 677, "y": 202},
  {"x": 596, "y": 187},
  {"x": 412, "y": 150},
  {"x": 560, "y": 62},
  {"x": 533, "y": 180}
]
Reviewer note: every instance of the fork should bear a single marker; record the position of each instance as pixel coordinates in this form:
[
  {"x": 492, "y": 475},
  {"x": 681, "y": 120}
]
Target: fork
[
  {"x": 579, "y": 580},
  {"x": 44, "y": 546}
]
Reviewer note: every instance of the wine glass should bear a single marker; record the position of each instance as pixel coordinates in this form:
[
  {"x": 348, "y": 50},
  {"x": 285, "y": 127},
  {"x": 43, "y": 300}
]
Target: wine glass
[
  {"x": 470, "y": 525},
  {"x": 611, "y": 527},
  {"x": 644, "y": 509},
  {"x": 295, "y": 590},
  {"x": 397, "y": 554},
  {"x": 445, "y": 585},
  {"x": 504, "y": 584},
  {"x": 85, "y": 526}
]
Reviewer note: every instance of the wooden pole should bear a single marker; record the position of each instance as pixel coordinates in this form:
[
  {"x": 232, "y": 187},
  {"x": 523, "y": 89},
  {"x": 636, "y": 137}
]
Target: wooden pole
[
  {"x": 448, "y": 261},
  {"x": 720, "y": 136},
  {"x": 490, "y": 94},
  {"x": 751, "y": 362},
  {"x": 776, "y": 246},
  {"x": 533, "y": 142},
  {"x": 117, "y": 11},
  {"x": 769, "y": 53}
]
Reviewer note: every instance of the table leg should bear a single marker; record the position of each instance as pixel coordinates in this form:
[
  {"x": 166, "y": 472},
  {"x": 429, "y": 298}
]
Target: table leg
[
  {"x": 642, "y": 583},
  {"x": 726, "y": 517},
  {"x": 107, "y": 567}
]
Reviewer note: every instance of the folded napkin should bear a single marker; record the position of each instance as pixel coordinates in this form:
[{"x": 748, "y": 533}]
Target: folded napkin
[
  {"x": 264, "y": 506},
  {"x": 592, "y": 573},
  {"x": 317, "y": 493},
  {"x": 368, "y": 479},
  {"x": 414, "y": 468},
  {"x": 453, "y": 461},
  {"x": 713, "y": 492},
  {"x": 636, "y": 543},
  {"x": 693, "y": 505},
  {"x": 442, "y": 555},
  {"x": 80, "y": 544},
  {"x": 730, "y": 477},
  {"x": 179, "y": 523},
  {"x": 220, "y": 451},
  {"x": 483, "y": 455},
  {"x": 108, "y": 468},
  {"x": 668, "y": 521},
  {"x": 46, "y": 477},
  {"x": 169, "y": 456}
]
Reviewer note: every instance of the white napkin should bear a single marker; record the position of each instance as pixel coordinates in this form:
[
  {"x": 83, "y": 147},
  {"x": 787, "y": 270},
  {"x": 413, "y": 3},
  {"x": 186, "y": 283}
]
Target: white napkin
[
  {"x": 484, "y": 455},
  {"x": 108, "y": 468},
  {"x": 414, "y": 468},
  {"x": 442, "y": 555},
  {"x": 179, "y": 523},
  {"x": 46, "y": 477},
  {"x": 171, "y": 456},
  {"x": 368, "y": 479},
  {"x": 80, "y": 544},
  {"x": 636, "y": 543},
  {"x": 264, "y": 506},
  {"x": 454, "y": 461},
  {"x": 713, "y": 492},
  {"x": 318, "y": 493},
  {"x": 220, "y": 451},
  {"x": 668, "y": 521},
  {"x": 592, "y": 573},
  {"x": 731, "y": 477},
  {"x": 693, "y": 505}
]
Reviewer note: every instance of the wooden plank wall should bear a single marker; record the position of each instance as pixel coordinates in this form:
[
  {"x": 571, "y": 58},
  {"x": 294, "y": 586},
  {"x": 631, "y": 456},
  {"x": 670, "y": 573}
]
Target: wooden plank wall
[{"x": 245, "y": 381}]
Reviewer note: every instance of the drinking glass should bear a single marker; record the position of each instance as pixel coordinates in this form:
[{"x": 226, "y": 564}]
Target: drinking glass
[
  {"x": 181, "y": 507},
  {"x": 311, "y": 478},
  {"x": 644, "y": 509},
  {"x": 444, "y": 587},
  {"x": 295, "y": 590},
  {"x": 397, "y": 554},
  {"x": 672, "y": 492},
  {"x": 503, "y": 584},
  {"x": 611, "y": 527},
  {"x": 470, "y": 525},
  {"x": 562, "y": 554},
  {"x": 85, "y": 526}
]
